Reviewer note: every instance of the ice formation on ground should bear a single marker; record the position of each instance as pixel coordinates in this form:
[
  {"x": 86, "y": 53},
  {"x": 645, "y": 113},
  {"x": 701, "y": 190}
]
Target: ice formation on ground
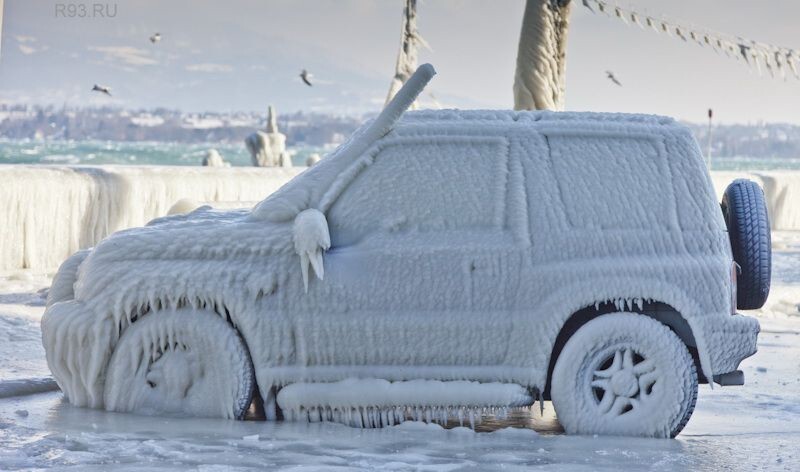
[
  {"x": 214, "y": 159},
  {"x": 26, "y": 386},
  {"x": 268, "y": 148},
  {"x": 435, "y": 271}
]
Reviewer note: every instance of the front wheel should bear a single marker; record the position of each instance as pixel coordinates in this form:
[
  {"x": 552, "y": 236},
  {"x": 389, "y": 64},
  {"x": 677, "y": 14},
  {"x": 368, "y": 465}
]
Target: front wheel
[
  {"x": 624, "y": 374},
  {"x": 183, "y": 362}
]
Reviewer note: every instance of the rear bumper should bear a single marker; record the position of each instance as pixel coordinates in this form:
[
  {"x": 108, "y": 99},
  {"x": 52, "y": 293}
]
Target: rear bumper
[{"x": 730, "y": 340}]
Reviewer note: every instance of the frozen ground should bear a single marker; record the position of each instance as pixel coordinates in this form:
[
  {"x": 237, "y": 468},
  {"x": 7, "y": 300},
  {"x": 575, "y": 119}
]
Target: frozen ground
[{"x": 743, "y": 428}]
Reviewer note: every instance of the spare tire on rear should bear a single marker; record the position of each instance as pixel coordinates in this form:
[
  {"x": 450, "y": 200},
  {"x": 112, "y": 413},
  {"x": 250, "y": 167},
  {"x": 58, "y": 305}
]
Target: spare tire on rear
[{"x": 745, "y": 212}]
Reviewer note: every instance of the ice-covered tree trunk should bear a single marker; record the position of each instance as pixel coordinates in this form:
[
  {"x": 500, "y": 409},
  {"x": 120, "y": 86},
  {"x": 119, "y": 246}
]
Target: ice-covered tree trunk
[
  {"x": 541, "y": 59},
  {"x": 407, "y": 57},
  {"x": 268, "y": 149}
]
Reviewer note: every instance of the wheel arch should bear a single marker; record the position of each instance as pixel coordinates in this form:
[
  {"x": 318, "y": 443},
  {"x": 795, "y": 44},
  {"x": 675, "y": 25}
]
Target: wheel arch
[
  {"x": 221, "y": 306},
  {"x": 668, "y": 305}
]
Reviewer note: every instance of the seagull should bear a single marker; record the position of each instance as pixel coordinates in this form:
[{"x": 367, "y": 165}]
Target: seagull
[
  {"x": 306, "y": 77},
  {"x": 611, "y": 77},
  {"x": 101, "y": 89},
  {"x": 155, "y": 38}
]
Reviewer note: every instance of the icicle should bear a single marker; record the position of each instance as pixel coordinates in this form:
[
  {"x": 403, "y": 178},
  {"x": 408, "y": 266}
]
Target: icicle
[
  {"x": 790, "y": 63},
  {"x": 635, "y": 19},
  {"x": 778, "y": 64},
  {"x": 619, "y": 15}
]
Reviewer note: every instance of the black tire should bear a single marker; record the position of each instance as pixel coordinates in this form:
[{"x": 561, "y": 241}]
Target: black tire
[{"x": 745, "y": 212}]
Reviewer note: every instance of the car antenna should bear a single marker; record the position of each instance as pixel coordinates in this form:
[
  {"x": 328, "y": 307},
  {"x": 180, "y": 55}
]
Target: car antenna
[{"x": 400, "y": 103}]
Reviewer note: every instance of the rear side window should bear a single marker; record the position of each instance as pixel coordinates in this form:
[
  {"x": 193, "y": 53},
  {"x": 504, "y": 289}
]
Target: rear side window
[
  {"x": 612, "y": 182},
  {"x": 450, "y": 184}
]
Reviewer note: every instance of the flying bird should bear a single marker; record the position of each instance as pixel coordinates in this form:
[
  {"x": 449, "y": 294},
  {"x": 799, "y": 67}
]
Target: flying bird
[
  {"x": 101, "y": 89},
  {"x": 611, "y": 77},
  {"x": 306, "y": 77},
  {"x": 155, "y": 38}
]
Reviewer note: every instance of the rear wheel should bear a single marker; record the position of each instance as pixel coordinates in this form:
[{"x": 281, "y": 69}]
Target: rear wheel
[
  {"x": 183, "y": 362},
  {"x": 624, "y": 374}
]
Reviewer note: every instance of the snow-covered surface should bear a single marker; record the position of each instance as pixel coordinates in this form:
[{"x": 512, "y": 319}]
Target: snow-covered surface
[
  {"x": 756, "y": 426},
  {"x": 49, "y": 212}
]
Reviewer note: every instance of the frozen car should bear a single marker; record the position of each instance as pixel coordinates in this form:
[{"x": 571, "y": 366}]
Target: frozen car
[{"x": 438, "y": 265}]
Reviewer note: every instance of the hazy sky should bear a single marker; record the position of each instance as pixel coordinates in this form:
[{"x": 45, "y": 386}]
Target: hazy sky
[{"x": 245, "y": 54}]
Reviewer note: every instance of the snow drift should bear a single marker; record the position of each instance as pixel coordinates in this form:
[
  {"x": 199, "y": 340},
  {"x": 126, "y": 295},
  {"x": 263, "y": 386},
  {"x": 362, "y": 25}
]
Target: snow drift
[{"x": 49, "y": 212}]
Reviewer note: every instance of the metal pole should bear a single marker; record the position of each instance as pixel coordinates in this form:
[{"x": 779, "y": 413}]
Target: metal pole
[{"x": 708, "y": 148}]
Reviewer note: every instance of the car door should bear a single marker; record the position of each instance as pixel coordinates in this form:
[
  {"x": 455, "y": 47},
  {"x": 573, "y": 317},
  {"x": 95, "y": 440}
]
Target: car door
[{"x": 414, "y": 236}]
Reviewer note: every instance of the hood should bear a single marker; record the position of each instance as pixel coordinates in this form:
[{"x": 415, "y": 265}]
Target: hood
[{"x": 202, "y": 236}]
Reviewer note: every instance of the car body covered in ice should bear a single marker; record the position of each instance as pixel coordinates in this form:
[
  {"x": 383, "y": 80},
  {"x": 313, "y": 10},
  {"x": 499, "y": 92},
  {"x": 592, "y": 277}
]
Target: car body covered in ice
[{"x": 449, "y": 246}]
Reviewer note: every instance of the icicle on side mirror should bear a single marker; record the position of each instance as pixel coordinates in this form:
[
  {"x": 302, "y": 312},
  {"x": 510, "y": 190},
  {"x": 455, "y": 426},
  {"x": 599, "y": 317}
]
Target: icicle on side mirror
[{"x": 311, "y": 239}]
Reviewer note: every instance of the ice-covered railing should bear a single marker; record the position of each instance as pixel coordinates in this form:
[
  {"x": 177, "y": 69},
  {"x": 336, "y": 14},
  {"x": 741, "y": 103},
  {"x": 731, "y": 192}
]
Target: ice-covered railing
[{"x": 49, "y": 212}]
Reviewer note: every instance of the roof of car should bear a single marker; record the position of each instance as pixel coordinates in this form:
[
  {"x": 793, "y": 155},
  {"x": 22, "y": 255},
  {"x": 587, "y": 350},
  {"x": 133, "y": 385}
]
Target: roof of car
[{"x": 451, "y": 115}]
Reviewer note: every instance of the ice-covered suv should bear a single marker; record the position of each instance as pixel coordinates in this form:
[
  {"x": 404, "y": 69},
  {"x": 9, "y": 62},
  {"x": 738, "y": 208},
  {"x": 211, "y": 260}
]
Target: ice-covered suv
[{"x": 439, "y": 265}]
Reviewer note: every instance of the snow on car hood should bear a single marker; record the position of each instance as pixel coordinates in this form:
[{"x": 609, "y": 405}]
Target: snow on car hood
[{"x": 204, "y": 237}]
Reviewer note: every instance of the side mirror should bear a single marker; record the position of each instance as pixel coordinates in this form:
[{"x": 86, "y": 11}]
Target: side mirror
[{"x": 311, "y": 238}]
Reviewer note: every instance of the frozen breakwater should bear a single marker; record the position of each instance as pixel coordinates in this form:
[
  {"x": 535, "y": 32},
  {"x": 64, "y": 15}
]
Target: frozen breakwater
[{"x": 49, "y": 212}]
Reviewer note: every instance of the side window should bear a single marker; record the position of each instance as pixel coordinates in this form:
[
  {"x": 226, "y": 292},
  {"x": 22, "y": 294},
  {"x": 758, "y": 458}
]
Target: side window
[
  {"x": 612, "y": 182},
  {"x": 454, "y": 184}
]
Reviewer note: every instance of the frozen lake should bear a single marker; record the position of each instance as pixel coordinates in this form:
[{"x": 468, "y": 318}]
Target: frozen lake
[{"x": 756, "y": 426}]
